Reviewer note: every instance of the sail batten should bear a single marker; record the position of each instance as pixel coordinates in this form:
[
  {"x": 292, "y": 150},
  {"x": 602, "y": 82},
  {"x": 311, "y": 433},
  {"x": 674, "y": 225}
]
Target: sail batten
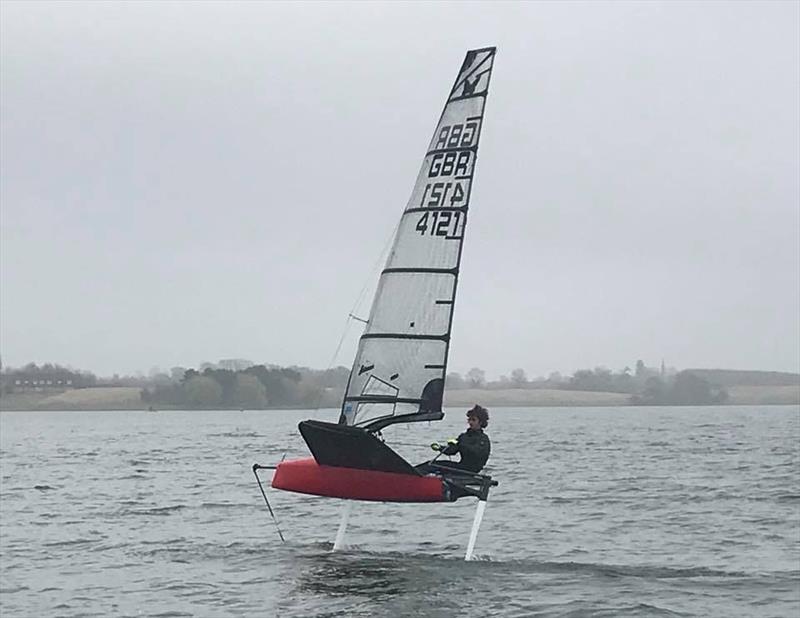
[
  {"x": 441, "y": 271},
  {"x": 404, "y": 336},
  {"x": 377, "y": 399},
  {"x": 462, "y": 209},
  {"x": 401, "y": 362},
  {"x": 453, "y": 149}
]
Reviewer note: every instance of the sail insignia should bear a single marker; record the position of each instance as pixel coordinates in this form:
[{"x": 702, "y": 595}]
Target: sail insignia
[{"x": 400, "y": 366}]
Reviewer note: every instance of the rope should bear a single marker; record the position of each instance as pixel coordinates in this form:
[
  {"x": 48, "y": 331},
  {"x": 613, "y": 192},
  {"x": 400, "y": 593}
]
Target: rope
[{"x": 410, "y": 444}]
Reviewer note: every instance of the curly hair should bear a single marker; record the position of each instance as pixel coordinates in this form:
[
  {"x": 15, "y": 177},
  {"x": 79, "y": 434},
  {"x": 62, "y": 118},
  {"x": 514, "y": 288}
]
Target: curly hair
[{"x": 481, "y": 413}]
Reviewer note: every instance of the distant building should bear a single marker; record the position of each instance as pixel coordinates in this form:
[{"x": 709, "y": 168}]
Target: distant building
[
  {"x": 46, "y": 378},
  {"x": 235, "y": 364},
  {"x": 28, "y": 384}
]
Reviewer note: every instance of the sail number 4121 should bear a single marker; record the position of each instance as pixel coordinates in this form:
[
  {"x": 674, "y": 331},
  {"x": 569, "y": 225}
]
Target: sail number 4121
[{"x": 439, "y": 223}]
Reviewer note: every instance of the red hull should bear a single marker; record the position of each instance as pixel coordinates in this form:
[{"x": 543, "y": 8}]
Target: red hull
[{"x": 306, "y": 476}]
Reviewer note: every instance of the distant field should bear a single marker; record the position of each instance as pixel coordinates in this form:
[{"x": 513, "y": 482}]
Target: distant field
[
  {"x": 735, "y": 377},
  {"x": 532, "y": 397},
  {"x": 764, "y": 394},
  {"x": 100, "y": 398},
  {"x": 127, "y": 398},
  {"x": 738, "y": 395}
]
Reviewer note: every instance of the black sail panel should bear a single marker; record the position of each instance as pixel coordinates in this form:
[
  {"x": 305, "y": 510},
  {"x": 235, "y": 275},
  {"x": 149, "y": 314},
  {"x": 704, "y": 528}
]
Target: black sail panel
[{"x": 401, "y": 362}]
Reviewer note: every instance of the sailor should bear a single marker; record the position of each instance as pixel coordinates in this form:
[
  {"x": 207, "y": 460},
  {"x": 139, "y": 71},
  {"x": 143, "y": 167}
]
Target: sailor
[{"x": 473, "y": 445}]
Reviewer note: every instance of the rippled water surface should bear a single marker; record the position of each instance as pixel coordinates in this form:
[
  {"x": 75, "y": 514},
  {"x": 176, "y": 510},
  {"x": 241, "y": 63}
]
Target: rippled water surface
[{"x": 599, "y": 512}]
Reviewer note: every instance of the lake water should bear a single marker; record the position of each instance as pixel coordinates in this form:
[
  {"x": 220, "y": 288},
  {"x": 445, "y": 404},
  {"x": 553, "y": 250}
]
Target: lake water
[{"x": 599, "y": 512}]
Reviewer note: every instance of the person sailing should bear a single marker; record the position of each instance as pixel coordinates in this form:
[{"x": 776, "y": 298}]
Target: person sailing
[{"x": 473, "y": 445}]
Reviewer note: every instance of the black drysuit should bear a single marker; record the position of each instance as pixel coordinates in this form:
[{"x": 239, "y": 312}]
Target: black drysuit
[{"x": 474, "y": 447}]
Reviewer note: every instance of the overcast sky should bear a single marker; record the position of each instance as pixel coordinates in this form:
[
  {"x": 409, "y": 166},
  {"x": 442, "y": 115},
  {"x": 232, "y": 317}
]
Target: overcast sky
[{"x": 189, "y": 182}]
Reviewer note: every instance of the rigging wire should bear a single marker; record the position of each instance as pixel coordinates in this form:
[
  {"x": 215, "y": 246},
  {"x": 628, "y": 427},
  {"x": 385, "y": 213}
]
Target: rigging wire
[
  {"x": 256, "y": 468},
  {"x": 381, "y": 259},
  {"x": 351, "y": 316}
]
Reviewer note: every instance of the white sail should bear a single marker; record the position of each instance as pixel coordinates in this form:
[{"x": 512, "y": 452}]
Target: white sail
[{"x": 401, "y": 362}]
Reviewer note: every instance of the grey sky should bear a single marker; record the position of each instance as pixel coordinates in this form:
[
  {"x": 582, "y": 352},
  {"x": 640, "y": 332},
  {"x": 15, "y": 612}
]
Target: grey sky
[{"x": 188, "y": 182}]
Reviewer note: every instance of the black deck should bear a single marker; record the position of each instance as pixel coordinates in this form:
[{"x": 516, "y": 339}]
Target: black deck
[{"x": 346, "y": 446}]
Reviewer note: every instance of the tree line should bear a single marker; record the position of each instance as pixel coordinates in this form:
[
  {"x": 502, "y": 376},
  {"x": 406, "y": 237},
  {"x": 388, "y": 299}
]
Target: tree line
[
  {"x": 256, "y": 387},
  {"x": 645, "y": 385},
  {"x": 241, "y": 384}
]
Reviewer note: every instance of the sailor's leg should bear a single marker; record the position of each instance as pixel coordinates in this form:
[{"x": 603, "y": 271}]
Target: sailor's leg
[
  {"x": 339, "y": 542},
  {"x": 476, "y": 524}
]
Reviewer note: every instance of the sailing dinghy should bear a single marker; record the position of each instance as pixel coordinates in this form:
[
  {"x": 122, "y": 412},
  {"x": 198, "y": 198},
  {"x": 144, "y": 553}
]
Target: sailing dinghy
[{"x": 398, "y": 374}]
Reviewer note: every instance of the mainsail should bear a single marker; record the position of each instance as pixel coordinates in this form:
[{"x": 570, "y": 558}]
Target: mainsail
[{"x": 399, "y": 369}]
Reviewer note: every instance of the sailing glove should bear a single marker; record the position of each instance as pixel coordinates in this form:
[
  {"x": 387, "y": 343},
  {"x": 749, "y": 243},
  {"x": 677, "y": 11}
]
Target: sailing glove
[
  {"x": 448, "y": 449},
  {"x": 451, "y": 448}
]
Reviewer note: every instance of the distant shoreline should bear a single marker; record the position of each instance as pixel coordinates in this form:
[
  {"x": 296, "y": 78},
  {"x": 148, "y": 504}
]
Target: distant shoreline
[{"x": 128, "y": 398}]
